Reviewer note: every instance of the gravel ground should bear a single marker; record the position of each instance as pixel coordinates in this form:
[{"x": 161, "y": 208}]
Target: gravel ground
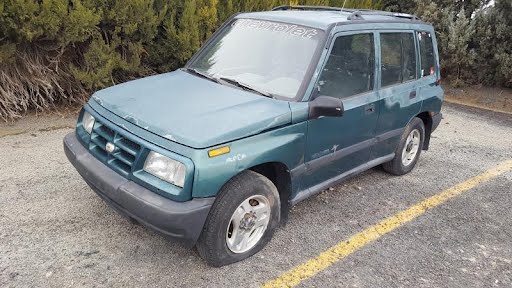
[{"x": 54, "y": 231}]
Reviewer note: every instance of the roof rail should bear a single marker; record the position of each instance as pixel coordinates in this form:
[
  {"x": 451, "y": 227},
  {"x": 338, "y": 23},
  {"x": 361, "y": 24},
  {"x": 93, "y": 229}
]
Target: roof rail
[
  {"x": 310, "y": 8},
  {"x": 359, "y": 13},
  {"x": 356, "y": 14}
]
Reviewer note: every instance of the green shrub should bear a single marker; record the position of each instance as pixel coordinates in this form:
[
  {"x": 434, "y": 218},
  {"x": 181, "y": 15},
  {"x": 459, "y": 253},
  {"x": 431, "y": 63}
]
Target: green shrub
[{"x": 59, "y": 51}]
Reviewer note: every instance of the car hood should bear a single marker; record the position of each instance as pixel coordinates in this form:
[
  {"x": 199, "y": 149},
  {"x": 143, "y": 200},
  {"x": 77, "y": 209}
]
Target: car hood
[{"x": 193, "y": 111}]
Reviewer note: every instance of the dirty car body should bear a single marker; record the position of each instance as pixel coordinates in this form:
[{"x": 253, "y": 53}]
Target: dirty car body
[{"x": 270, "y": 92}]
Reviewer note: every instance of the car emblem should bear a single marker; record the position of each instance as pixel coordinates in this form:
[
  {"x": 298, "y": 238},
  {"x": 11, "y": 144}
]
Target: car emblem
[{"x": 110, "y": 147}]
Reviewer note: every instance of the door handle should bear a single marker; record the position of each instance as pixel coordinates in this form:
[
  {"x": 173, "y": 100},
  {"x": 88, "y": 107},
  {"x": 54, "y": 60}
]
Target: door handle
[
  {"x": 412, "y": 95},
  {"x": 369, "y": 109}
]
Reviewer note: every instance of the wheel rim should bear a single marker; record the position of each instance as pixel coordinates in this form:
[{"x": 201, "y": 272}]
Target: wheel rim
[
  {"x": 411, "y": 148},
  {"x": 248, "y": 224}
]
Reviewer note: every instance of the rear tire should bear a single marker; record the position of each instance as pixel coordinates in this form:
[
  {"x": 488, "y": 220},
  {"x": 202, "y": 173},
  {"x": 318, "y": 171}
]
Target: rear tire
[
  {"x": 408, "y": 151},
  {"x": 242, "y": 220}
]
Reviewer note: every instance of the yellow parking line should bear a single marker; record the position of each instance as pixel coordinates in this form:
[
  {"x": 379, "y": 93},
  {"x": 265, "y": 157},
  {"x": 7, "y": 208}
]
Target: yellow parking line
[{"x": 336, "y": 253}]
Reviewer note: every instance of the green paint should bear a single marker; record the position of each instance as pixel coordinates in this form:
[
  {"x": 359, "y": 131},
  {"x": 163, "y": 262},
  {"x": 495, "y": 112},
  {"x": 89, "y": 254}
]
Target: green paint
[{"x": 183, "y": 116}]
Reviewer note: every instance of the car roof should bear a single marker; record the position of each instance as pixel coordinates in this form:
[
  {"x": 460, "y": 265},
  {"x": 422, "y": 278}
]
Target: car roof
[{"x": 323, "y": 19}]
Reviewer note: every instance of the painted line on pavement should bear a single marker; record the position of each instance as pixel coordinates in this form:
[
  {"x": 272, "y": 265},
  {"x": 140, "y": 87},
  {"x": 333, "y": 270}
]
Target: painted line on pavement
[{"x": 341, "y": 250}]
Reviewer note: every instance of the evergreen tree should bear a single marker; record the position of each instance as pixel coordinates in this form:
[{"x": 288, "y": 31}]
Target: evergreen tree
[
  {"x": 458, "y": 59},
  {"x": 61, "y": 50},
  {"x": 493, "y": 42},
  {"x": 399, "y": 6}
]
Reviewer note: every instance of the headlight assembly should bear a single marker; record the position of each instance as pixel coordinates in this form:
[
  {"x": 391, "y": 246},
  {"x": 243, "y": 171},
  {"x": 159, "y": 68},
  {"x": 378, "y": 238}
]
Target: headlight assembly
[
  {"x": 165, "y": 168},
  {"x": 88, "y": 122}
]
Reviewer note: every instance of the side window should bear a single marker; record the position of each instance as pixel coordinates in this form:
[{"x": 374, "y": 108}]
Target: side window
[
  {"x": 427, "y": 54},
  {"x": 391, "y": 58},
  {"x": 409, "y": 57},
  {"x": 350, "y": 68},
  {"x": 398, "y": 58}
]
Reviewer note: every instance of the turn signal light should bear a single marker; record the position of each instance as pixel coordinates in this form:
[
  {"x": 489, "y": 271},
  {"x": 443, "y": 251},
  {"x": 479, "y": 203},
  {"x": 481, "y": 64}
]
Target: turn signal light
[{"x": 219, "y": 151}]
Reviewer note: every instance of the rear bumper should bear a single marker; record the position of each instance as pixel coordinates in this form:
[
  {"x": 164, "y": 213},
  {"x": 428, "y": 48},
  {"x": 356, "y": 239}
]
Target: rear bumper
[{"x": 183, "y": 221}]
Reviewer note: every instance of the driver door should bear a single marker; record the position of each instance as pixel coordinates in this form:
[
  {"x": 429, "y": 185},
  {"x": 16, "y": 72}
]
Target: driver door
[{"x": 336, "y": 145}]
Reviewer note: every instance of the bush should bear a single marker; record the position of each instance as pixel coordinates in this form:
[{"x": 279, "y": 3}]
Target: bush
[{"x": 59, "y": 51}]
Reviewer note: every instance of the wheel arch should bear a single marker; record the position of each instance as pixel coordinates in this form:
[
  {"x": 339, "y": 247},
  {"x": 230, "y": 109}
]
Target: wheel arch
[
  {"x": 279, "y": 174},
  {"x": 426, "y": 117}
]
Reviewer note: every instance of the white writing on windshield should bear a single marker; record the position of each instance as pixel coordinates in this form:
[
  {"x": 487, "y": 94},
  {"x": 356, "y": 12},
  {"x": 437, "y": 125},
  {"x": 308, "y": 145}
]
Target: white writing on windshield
[{"x": 289, "y": 29}]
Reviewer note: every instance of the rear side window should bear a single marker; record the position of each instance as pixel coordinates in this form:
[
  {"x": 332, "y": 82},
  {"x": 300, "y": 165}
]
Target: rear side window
[
  {"x": 398, "y": 58},
  {"x": 350, "y": 69},
  {"x": 426, "y": 54}
]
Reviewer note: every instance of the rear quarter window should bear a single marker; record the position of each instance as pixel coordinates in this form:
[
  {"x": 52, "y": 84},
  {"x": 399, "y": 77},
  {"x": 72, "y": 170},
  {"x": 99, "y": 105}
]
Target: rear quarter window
[{"x": 427, "y": 55}]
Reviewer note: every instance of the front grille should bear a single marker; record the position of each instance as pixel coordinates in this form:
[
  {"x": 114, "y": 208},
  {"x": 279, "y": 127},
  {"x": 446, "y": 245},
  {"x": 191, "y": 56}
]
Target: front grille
[{"x": 122, "y": 158}]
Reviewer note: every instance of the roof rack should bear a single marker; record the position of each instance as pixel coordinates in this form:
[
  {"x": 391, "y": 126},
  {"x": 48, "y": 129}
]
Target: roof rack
[
  {"x": 359, "y": 14},
  {"x": 310, "y": 8},
  {"x": 356, "y": 14}
]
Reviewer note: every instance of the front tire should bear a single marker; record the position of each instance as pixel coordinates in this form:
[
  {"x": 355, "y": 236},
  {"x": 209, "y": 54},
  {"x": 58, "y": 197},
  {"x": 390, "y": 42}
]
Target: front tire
[
  {"x": 409, "y": 150},
  {"x": 241, "y": 221}
]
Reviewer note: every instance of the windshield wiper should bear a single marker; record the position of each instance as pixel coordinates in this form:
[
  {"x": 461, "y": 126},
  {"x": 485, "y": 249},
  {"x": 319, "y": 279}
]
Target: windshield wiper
[
  {"x": 201, "y": 74},
  {"x": 228, "y": 80},
  {"x": 245, "y": 86}
]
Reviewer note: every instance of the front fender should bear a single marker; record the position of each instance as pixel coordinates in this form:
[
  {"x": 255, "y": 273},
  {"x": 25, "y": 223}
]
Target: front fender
[{"x": 285, "y": 145}]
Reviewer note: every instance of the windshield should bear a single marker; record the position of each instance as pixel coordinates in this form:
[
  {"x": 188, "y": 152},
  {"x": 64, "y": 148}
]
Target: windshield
[{"x": 267, "y": 56}]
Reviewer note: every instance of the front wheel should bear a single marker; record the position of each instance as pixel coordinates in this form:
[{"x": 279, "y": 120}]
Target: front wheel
[
  {"x": 409, "y": 150},
  {"x": 242, "y": 220}
]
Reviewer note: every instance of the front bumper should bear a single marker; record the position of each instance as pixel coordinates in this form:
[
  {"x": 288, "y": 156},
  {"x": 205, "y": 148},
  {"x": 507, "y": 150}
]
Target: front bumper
[{"x": 183, "y": 221}]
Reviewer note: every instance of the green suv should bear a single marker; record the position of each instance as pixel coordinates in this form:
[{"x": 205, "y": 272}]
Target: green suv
[{"x": 276, "y": 107}]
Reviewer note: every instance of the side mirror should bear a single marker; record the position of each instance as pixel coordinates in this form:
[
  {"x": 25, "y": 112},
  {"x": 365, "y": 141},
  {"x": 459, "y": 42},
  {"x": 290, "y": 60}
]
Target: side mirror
[{"x": 325, "y": 106}]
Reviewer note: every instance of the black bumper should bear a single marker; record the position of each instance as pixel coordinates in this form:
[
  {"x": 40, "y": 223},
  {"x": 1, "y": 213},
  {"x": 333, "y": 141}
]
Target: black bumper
[{"x": 183, "y": 221}]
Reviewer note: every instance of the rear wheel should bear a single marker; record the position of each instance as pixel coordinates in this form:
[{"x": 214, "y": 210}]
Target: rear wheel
[
  {"x": 242, "y": 220},
  {"x": 409, "y": 150}
]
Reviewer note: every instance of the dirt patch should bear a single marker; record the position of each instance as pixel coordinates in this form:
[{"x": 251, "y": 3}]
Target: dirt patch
[
  {"x": 11, "y": 132},
  {"x": 58, "y": 127},
  {"x": 40, "y": 122},
  {"x": 491, "y": 98}
]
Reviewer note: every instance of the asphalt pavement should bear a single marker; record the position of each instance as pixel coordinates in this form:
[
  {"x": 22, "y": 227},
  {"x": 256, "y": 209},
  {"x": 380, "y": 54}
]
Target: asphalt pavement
[{"x": 54, "y": 231}]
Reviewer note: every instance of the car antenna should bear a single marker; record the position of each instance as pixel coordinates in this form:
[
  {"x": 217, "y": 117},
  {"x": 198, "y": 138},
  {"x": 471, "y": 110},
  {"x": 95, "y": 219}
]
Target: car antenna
[{"x": 343, "y": 7}]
